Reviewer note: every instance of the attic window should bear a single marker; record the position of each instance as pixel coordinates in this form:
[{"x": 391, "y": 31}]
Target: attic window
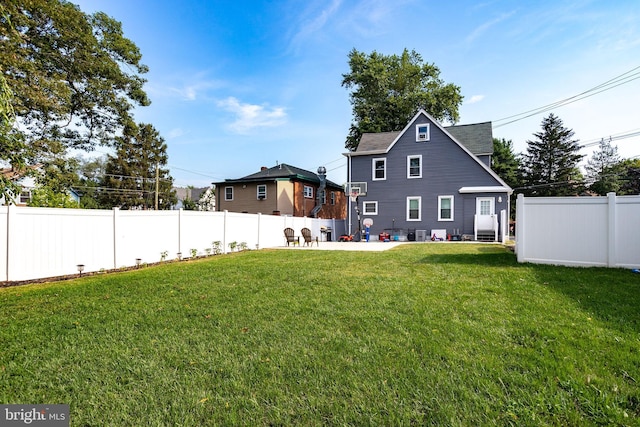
[{"x": 422, "y": 132}]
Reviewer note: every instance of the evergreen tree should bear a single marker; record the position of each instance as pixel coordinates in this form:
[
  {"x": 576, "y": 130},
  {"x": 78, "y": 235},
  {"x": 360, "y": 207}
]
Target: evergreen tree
[
  {"x": 387, "y": 91},
  {"x": 505, "y": 162},
  {"x": 630, "y": 177},
  {"x": 603, "y": 169},
  {"x": 137, "y": 169},
  {"x": 550, "y": 165}
]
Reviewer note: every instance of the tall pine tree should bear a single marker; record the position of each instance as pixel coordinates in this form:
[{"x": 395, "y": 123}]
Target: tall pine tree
[
  {"x": 137, "y": 170},
  {"x": 550, "y": 165},
  {"x": 603, "y": 169}
]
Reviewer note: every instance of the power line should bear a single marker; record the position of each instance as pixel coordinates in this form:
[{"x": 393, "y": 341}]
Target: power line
[{"x": 621, "y": 79}]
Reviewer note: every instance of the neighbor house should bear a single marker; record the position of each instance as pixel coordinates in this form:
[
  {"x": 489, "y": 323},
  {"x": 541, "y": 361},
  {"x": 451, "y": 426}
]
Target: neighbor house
[
  {"x": 428, "y": 181},
  {"x": 282, "y": 190}
]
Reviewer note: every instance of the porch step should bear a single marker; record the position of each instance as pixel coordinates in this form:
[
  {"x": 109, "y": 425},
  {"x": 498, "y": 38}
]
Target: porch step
[{"x": 486, "y": 236}]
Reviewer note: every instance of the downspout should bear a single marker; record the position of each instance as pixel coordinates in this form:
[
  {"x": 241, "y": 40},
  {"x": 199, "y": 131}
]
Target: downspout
[{"x": 322, "y": 174}]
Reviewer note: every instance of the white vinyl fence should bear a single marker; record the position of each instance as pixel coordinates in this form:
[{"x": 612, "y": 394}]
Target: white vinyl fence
[
  {"x": 45, "y": 242},
  {"x": 579, "y": 231}
]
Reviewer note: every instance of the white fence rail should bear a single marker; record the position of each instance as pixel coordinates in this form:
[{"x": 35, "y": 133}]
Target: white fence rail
[
  {"x": 44, "y": 242},
  {"x": 579, "y": 231}
]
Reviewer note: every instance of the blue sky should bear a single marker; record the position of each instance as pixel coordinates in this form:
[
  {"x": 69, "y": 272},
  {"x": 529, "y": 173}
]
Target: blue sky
[{"x": 236, "y": 85}]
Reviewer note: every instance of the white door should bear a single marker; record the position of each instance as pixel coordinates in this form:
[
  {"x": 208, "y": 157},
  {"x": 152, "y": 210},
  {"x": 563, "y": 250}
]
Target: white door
[{"x": 485, "y": 212}]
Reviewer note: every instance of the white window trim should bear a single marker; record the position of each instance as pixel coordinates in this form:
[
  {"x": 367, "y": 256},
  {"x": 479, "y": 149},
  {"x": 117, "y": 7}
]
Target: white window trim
[
  {"x": 333, "y": 197},
  {"x": 417, "y": 156},
  {"x": 258, "y": 191},
  {"x": 373, "y": 168},
  {"x": 419, "y": 199},
  {"x": 225, "y": 194},
  {"x": 364, "y": 210},
  {"x": 310, "y": 192},
  {"x": 440, "y": 198},
  {"x": 428, "y": 133}
]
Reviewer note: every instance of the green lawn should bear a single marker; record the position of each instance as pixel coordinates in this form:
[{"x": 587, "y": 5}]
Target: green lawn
[{"x": 424, "y": 334}]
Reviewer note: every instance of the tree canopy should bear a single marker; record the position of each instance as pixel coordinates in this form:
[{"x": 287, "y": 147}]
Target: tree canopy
[
  {"x": 136, "y": 177},
  {"x": 74, "y": 77},
  {"x": 603, "y": 169},
  {"x": 387, "y": 91},
  {"x": 550, "y": 165}
]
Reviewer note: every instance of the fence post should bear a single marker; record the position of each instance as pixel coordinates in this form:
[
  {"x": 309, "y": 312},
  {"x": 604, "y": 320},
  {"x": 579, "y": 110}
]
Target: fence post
[
  {"x": 611, "y": 229},
  {"x": 10, "y": 216},
  {"x": 520, "y": 226},
  {"x": 116, "y": 212},
  {"x": 180, "y": 230},
  {"x": 224, "y": 232},
  {"x": 258, "y": 239}
]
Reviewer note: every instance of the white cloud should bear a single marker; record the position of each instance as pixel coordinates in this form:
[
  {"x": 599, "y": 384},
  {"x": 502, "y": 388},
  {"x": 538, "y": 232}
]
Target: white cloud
[
  {"x": 175, "y": 133},
  {"x": 474, "y": 99},
  {"x": 250, "y": 116},
  {"x": 481, "y": 29}
]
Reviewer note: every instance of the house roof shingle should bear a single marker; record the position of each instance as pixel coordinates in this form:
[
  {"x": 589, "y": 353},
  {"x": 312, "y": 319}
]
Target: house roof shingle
[
  {"x": 477, "y": 138},
  {"x": 282, "y": 171}
]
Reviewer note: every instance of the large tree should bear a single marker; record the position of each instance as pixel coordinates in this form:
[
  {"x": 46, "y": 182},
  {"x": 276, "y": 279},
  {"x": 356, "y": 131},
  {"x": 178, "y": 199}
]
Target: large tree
[
  {"x": 550, "y": 165},
  {"x": 136, "y": 177},
  {"x": 387, "y": 91},
  {"x": 505, "y": 162},
  {"x": 74, "y": 78},
  {"x": 603, "y": 169},
  {"x": 629, "y": 177}
]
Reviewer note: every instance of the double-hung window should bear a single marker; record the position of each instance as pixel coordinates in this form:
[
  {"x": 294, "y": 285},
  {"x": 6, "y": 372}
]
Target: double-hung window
[
  {"x": 379, "y": 171},
  {"x": 414, "y": 166},
  {"x": 370, "y": 208},
  {"x": 422, "y": 132},
  {"x": 308, "y": 192},
  {"x": 333, "y": 197},
  {"x": 228, "y": 193},
  {"x": 262, "y": 192},
  {"x": 445, "y": 208},
  {"x": 414, "y": 208}
]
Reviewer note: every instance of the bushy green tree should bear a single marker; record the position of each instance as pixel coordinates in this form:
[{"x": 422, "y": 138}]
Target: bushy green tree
[
  {"x": 603, "y": 169},
  {"x": 629, "y": 177},
  {"x": 505, "y": 162},
  {"x": 74, "y": 79},
  {"x": 137, "y": 170},
  {"x": 550, "y": 165},
  {"x": 387, "y": 91}
]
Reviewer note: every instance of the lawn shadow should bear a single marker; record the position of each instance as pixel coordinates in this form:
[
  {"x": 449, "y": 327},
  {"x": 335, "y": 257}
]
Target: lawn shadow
[
  {"x": 609, "y": 294},
  {"x": 490, "y": 256}
]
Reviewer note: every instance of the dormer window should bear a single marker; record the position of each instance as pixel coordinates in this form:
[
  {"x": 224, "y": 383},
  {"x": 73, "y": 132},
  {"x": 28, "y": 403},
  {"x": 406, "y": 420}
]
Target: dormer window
[{"x": 422, "y": 132}]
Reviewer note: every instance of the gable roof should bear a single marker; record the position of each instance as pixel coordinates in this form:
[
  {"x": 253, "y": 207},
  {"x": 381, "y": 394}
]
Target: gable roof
[
  {"x": 381, "y": 139},
  {"x": 477, "y": 138},
  {"x": 282, "y": 171}
]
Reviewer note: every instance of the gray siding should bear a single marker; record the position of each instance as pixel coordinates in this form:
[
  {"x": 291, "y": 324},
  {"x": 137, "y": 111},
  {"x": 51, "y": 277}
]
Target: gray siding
[{"x": 446, "y": 167}]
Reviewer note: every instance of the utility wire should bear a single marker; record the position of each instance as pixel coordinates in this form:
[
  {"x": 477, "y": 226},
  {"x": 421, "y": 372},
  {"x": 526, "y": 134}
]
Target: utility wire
[{"x": 621, "y": 79}]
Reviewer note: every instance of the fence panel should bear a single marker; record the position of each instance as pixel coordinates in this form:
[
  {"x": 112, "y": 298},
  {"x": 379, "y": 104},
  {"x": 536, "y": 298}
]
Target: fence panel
[
  {"x": 578, "y": 231},
  {"x": 46, "y": 242}
]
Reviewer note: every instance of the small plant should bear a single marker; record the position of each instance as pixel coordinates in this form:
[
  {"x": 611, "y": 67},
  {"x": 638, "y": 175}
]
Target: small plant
[
  {"x": 217, "y": 247},
  {"x": 163, "y": 255},
  {"x": 233, "y": 245},
  {"x": 207, "y": 251},
  {"x": 194, "y": 253},
  {"x": 243, "y": 246}
]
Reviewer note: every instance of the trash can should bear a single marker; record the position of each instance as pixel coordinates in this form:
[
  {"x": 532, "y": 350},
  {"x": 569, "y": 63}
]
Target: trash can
[
  {"x": 421, "y": 235},
  {"x": 411, "y": 235}
]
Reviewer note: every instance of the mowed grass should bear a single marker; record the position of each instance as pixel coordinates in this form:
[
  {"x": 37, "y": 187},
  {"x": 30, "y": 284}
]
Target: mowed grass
[{"x": 423, "y": 334}]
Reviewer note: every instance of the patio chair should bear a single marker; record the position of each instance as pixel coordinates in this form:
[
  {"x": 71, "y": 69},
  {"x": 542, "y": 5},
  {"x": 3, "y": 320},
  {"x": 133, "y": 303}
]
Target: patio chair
[
  {"x": 289, "y": 235},
  {"x": 308, "y": 240}
]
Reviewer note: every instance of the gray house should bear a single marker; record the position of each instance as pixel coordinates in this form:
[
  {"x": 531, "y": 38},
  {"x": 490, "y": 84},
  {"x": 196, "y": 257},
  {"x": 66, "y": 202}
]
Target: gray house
[{"x": 428, "y": 182}]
